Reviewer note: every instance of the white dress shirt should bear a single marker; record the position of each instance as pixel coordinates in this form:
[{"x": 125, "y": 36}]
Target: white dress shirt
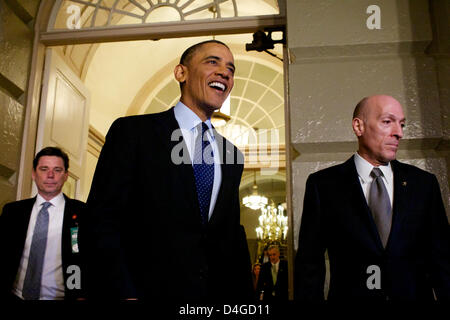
[
  {"x": 364, "y": 169},
  {"x": 52, "y": 286},
  {"x": 188, "y": 122}
]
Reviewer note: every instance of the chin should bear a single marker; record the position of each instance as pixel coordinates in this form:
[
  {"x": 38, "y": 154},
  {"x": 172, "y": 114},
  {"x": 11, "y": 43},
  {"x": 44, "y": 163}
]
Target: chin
[{"x": 389, "y": 159}]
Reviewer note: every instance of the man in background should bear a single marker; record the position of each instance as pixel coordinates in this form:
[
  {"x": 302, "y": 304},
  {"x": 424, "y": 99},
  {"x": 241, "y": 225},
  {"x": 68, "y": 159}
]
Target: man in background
[
  {"x": 273, "y": 278},
  {"x": 38, "y": 237}
]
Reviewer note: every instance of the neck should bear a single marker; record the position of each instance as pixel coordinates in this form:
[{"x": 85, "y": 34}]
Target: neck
[
  {"x": 374, "y": 162},
  {"x": 47, "y": 196},
  {"x": 203, "y": 113}
]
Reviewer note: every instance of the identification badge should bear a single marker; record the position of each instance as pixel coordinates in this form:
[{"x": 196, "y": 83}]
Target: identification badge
[{"x": 74, "y": 238}]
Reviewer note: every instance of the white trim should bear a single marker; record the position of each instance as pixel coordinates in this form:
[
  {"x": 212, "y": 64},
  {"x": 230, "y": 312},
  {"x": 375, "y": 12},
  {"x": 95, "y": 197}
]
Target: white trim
[{"x": 165, "y": 30}]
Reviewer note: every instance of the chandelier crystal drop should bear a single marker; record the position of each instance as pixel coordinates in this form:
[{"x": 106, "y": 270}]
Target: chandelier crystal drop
[{"x": 273, "y": 224}]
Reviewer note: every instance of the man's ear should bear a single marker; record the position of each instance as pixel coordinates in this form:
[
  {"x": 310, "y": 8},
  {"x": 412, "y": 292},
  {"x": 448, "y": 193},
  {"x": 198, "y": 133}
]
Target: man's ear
[
  {"x": 66, "y": 175},
  {"x": 358, "y": 126},
  {"x": 180, "y": 73},
  {"x": 33, "y": 174}
]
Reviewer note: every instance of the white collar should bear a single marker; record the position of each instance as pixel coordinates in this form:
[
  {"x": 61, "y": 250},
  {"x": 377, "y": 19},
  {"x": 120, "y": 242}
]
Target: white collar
[
  {"x": 186, "y": 118},
  {"x": 364, "y": 169},
  {"x": 56, "y": 201}
]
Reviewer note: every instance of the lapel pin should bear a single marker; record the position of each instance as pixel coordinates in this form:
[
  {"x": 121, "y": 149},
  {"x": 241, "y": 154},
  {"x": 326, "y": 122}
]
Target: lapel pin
[{"x": 404, "y": 183}]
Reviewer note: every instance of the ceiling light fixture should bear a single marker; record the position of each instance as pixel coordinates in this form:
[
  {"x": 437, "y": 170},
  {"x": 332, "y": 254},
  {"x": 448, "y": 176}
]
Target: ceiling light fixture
[{"x": 255, "y": 201}]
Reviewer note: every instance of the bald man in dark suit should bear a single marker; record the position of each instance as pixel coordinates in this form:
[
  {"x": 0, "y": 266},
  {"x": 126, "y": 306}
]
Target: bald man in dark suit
[{"x": 383, "y": 222}]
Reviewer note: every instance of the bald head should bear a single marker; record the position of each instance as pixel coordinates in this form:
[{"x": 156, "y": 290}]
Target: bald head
[
  {"x": 371, "y": 102},
  {"x": 378, "y": 123}
]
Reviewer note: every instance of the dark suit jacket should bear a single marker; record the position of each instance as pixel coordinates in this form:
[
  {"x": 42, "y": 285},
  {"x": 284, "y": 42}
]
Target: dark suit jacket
[
  {"x": 336, "y": 217},
  {"x": 13, "y": 231},
  {"x": 265, "y": 282},
  {"x": 144, "y": 230}
]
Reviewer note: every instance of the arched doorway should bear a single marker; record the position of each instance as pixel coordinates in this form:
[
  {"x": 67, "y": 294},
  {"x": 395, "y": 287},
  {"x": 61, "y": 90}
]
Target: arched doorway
[{"x": 95, "y": 54}]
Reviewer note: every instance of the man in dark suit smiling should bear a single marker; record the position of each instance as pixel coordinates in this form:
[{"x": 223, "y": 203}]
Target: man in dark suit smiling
[
  {"x": 168, "y": 183},
  {"x": 38, "y": 237},
  {"x": 383, "y": 222}
]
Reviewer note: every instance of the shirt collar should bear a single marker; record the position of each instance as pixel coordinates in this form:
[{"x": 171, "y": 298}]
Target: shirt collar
[
  {"x": 55, "y": 201},
  {"x": 364, "y": 169},
  {"x": 186, "y": 118}
]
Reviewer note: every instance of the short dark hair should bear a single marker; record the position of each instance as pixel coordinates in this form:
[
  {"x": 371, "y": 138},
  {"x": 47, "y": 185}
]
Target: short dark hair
[
  {"x": 51, "y": 151},
  {"x": 189, "y": 53}
]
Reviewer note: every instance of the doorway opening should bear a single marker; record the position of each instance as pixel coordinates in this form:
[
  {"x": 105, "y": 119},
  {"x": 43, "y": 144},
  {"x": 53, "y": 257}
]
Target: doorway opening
[{"x": 133, "y": 77}]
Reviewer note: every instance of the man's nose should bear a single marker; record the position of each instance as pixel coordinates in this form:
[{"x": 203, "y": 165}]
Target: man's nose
[
  {"x": 224, "y": 72},
  {"x": 398, "y": 131}
]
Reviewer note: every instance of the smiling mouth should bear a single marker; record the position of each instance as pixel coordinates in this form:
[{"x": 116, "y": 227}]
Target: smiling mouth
[{"x": 217, "y": 85}]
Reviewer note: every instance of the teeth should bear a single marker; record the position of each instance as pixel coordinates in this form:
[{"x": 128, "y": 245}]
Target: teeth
[{"x": 218, "y": 85}]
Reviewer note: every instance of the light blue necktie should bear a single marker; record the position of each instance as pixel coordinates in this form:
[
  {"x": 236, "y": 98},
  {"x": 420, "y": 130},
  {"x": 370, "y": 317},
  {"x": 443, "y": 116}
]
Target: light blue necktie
[
  {"x": 32, "y": 283},
  {"x": 203, "y": 171}
]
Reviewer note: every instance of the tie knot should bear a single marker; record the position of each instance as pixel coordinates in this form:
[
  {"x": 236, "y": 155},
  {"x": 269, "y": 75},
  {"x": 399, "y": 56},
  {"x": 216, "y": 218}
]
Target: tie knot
[
  {"x": 376, "y": 172},
  {"x": 46, "y": 205},
  {"x": 204, "y": 127}
]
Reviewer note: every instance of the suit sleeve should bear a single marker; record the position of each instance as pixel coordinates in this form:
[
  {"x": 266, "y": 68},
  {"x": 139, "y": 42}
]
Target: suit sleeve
[
  {"x": 100, "y": 236},
  {"x": 247, "y": 282},
  {"x": 244, "y": 273},
  {"x": 440, "y": 253},
  {"x": 4, "y": 288},
  {"x": 262, "y": 280},
  {"x": 309, "y": 274}
]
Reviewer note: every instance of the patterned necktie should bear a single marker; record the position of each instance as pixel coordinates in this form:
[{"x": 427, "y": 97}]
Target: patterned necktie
[
  {"x": 380, "y": 205},
  {"x": 203, "y": 171},
  {"x": 32, "y": 283}
]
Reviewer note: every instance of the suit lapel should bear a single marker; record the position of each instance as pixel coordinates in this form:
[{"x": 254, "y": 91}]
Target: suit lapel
[
  {"x": 173, "y": 139},
  {"x": 25, "y": 214},
  {"x": 400, "y": 197},
  {"x": 70, "y": 220}
]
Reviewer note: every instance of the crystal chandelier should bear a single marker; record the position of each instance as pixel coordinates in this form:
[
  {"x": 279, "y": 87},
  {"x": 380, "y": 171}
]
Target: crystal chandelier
[
  {"x": 273, "y": 224},
  {"x": 255, "y": 201}
]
